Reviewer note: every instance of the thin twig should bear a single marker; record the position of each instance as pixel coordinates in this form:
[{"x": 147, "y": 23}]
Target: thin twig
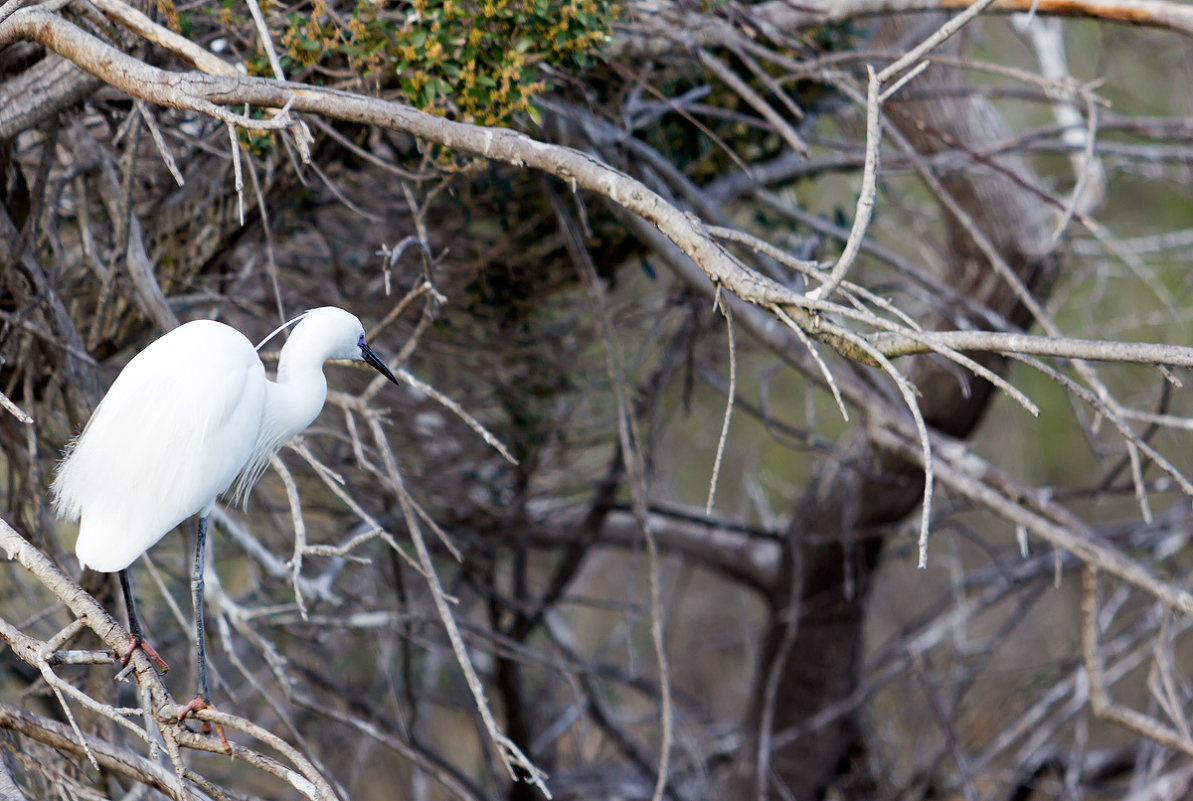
[
  {"x": 806, "y": 341},
  {"x": 237, "y": 170},
  {"x": 943, "y": 33},
  {"x": 14, "y": 410},
  {"x": 459, "y": 411},
  {"x": 730, "y": 395},
  {"x": 266, "y": 40},
  {"x": 743, "y": 90},
  {"x": 908, "y": 393},
  {"x": 865, "y": 200},
  {"x": 300, "y": 529},
  {"x": 162, "y": 148}
]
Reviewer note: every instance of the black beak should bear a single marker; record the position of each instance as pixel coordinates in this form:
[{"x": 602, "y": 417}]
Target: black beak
[{"x": 374, "y": 360}]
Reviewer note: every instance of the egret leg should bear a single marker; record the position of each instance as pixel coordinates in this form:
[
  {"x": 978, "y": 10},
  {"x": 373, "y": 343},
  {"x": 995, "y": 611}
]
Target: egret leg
[
  {"x": 134, "y": 626},
  {"x": 203, "y": 699},
  {"x": 197, "y": 593}
]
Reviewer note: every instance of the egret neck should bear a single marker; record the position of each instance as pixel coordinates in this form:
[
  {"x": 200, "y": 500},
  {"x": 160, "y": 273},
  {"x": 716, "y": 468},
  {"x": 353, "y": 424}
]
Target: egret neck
[{"x": 294, "y": 400}]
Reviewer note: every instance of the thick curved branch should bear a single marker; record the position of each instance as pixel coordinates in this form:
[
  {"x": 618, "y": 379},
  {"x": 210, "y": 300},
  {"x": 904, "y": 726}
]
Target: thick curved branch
[
  {"x": 675, "y": 24},
  {"x": 40, "y": 92},
  {"x": 210, "y": 94}
]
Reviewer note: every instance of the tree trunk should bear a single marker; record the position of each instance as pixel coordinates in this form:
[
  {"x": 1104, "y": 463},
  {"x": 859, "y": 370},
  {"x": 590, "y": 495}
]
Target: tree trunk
[{"x": 834, "y": 544}]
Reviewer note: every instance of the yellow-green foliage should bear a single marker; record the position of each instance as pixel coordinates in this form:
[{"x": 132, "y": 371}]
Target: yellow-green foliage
[{"x": 475, "y": 60}]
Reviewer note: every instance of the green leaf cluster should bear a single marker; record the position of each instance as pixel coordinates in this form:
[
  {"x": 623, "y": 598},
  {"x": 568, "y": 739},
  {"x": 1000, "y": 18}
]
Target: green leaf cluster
[
  {"x": 477, "y": 61},
  {"x": 484, "y": 61}
]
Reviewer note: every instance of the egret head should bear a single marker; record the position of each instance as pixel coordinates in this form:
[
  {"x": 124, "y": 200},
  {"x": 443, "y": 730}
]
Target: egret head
[{"x": 330, "y": 332}]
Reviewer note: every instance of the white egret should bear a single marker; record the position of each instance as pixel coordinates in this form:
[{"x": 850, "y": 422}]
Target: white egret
[{"x": 187, "y": 417}]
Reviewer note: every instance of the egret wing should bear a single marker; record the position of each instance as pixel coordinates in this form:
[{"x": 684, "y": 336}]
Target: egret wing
[{"x": 176, "y": 427}]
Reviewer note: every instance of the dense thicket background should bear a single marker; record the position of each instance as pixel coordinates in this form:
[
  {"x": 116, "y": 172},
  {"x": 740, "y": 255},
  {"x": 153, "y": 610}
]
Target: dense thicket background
[{"x": 1032, "y": 179}]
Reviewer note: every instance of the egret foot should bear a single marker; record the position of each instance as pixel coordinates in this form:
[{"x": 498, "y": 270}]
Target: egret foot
[
  {"x": 136, "y": 642},
  {"x": 198, "y": 703}
]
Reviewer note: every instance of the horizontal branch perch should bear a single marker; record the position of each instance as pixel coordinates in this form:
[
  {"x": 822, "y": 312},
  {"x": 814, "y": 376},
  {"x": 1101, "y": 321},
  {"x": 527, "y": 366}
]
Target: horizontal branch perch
[{"x": 893, "y": 345}]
